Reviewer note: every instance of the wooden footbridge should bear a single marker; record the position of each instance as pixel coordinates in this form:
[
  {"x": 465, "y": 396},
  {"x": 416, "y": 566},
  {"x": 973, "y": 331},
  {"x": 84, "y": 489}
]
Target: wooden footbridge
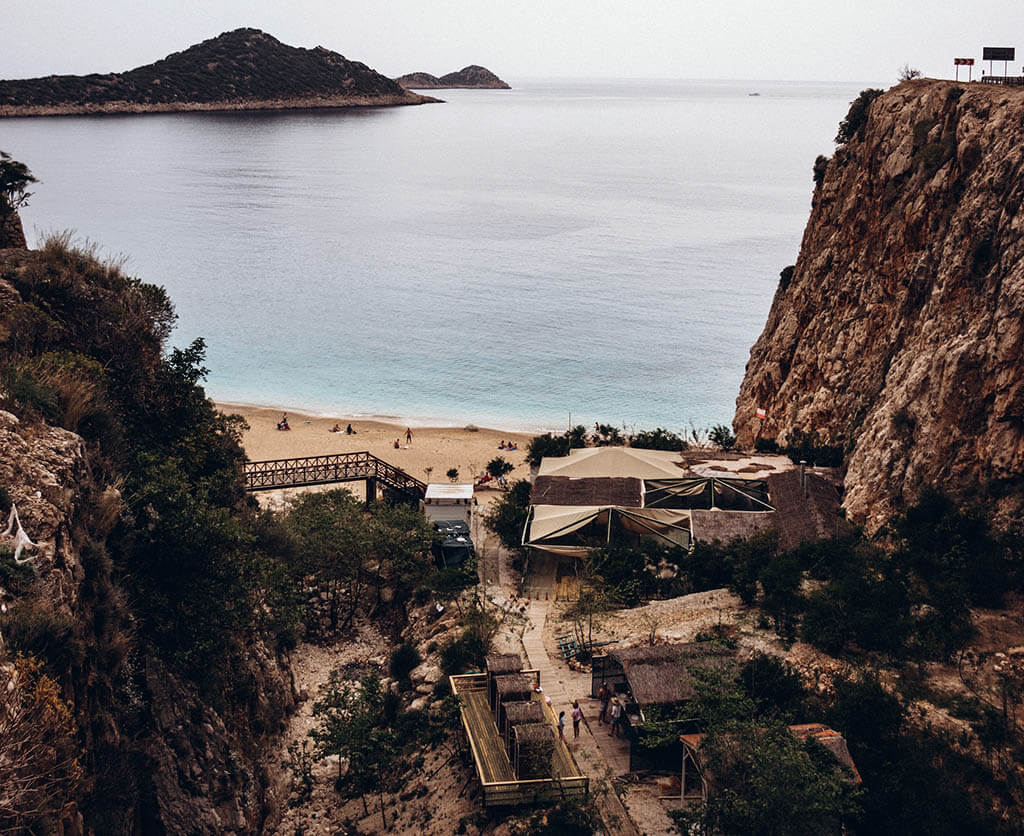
[{"x": 328, "y": 470}]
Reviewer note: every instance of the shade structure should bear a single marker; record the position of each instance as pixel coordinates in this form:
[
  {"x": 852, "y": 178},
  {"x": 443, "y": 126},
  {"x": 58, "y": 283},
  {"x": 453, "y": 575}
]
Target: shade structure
[
  {"x": 707, "y": 492},
  {"x": 572, "y": 530},
  {"x": 589, "y": 462}
]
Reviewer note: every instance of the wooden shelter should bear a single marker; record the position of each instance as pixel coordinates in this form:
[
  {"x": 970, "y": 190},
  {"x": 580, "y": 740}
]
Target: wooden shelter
[
  {"x": 517, "y": 713},
  {"x": 510, "y": 687},
  {"x": 500, "y": 664},
  {"x": 533, "y": 747},
  {"x": 498, "y": 781}
]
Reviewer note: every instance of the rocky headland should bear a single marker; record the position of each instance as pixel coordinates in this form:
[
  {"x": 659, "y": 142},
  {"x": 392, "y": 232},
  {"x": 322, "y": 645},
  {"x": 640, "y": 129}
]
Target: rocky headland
[
  {"x": 900, "y": 332},
  {"x": 472, "y": 77},
  {"x": 245, "y": 69}
]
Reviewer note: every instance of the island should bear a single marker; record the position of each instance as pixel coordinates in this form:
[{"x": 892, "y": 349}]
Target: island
[
  {"x": 244, "y": 69},
  {"x": 473, "y": 77}
]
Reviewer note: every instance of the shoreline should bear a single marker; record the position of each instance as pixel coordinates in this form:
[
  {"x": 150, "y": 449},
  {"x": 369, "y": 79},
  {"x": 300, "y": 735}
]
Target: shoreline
[
  {"x": 509, "y": 428},
  {"x": 432, "y": 451},
  {"x": 139, "y": 108}
]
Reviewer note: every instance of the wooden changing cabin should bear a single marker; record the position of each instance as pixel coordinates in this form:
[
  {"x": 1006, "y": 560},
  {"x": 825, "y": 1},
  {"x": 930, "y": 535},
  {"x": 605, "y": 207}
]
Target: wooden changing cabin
[{"x": 496, "y": 749}]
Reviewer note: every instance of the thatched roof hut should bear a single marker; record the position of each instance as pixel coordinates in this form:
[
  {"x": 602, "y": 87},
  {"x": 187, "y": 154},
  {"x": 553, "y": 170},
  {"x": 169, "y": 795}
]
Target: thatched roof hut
[
  {"x": 533, "y": 747},
  {"x": 500, "y": 664},
  {"x": 510, "y": 687},
  {"x": 658, "y": 674},
  {"x": 519, "y": 712}
]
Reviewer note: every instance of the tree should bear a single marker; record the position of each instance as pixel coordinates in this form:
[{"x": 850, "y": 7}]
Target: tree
[
  {"x": 498, "y": 467},
  {"x": 334, "y": 541},
  {"x": 353, "y": 726},
  {"x": 14, "y": 179},
  {"x": 908, "y": 73},
  {"x": 766, "y": 781},
  {"x": 452, "y": 473},
  {"x": 507, "y": 517},
  {"x": 721, "y": 436}
]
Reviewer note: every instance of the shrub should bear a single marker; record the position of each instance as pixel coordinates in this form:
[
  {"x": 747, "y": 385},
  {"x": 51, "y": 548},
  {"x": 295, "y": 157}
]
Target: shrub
[
  {"x": 452, "y": 473},
  {"x": 403, "y": 659},
  {"x": 467, "y": 651},
  {"x": 547, "y": 446},
  {"x": 658, "y": 439},
  {"x": 507, "y": 516},
  {"x": 721, "y": 436},
  {"x": 16, "y": 578},
  {"x": 498, "y": 467},
  {"x": 820, "y": 167},
  {"x": 808, "y": 447},
  {"x": 786, "y": 276},
  {"x": 857, "y": 116},
  {"x": 766, "y": 445}
]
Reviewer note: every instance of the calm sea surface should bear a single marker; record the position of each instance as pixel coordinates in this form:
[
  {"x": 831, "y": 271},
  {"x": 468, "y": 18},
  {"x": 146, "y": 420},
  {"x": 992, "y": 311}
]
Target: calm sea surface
[{"x": 605, "y": 248}]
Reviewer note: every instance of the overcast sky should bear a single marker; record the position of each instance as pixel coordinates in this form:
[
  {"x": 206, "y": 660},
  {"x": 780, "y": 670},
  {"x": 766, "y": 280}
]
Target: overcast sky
[{"x": 840, "y": 40}]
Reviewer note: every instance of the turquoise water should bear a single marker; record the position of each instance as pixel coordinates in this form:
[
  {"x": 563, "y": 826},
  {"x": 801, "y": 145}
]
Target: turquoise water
[{"x": 608, "y": 249}]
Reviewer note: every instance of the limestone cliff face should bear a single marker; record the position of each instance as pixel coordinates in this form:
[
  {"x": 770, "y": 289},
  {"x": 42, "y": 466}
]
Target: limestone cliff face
[
  {"x": 901, "y": 332},
  {"x": 158, "y": 758},
  {"x": 12, "y": 233}
]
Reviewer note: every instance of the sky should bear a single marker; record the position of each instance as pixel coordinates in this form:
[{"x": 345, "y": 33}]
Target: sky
[{"x": 830, "y": 40}]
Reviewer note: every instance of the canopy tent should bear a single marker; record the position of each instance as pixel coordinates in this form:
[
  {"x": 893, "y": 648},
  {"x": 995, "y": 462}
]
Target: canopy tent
[
  {"x": 632, "y": 462},
  {"x": 572, "y": 530},
  {"x": 707, "y": 492}
]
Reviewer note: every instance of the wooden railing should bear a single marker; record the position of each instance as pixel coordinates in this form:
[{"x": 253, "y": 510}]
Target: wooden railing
[{"x": 326, "y": 470}]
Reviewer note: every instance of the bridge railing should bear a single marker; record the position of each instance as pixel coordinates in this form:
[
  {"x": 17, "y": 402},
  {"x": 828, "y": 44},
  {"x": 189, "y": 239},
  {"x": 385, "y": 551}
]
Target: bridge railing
[{"x": 324, "y": 470}]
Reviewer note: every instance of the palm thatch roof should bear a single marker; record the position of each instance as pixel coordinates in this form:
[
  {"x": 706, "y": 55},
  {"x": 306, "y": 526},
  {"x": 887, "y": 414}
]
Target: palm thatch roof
[
  {"x": 663, "y": 674},
  {"x": 534, "y": 733},
  {"x": 503, "y": 663},
  {"x": 513, "y": 686},
  {"x": 518, "y": 712}
]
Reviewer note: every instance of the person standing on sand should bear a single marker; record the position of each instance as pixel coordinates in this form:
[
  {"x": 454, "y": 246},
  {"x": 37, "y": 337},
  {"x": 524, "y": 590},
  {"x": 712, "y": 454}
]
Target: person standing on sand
[
  {"x": 604, "y": 695},
  {"x": 408, "y": 436},
  {"x": 577, "y": 715},
  {"x": 561, "y": 725}
]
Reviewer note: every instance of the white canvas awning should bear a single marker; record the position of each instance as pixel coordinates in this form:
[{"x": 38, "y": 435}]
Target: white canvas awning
[
  {"x": 552, "y": 527},
  {"x": 590, "y": 462}
]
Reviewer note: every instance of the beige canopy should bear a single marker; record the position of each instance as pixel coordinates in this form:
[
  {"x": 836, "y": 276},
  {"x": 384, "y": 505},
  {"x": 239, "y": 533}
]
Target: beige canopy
[
  {"x": 560, "y": 529},
  {"x": 587, "y": 462}
]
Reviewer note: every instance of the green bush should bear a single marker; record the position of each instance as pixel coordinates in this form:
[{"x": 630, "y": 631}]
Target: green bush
[
  {"x": 857, "y": 116},
  {"x": 507, "y": 516},
  {"x": 463, "y": 653},
  {"x": 16, "y": 578},
  {"x": 721, "y": 436},
  {"x": 658, "y": 439},
  {"x": 820, "y": 167},
  {"x": 403, "y": 659},
  {"x": 766, "y": 445}
]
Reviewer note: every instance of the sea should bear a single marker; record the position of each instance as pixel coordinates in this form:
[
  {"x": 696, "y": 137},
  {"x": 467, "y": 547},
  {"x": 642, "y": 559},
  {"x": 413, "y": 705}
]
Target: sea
[{"x": 598, "y": 251}]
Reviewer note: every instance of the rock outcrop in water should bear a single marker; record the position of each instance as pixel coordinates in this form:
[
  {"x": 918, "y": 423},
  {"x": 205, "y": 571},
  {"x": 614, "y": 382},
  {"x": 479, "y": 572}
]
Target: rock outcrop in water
[
  {"x": 900, "y": 333},
  {"x": 245, "y": 69},
  {"x": 473, "y": 76}
]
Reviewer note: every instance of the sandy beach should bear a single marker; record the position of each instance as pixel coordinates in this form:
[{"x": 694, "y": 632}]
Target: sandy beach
[{"x": 433, "y": 448}]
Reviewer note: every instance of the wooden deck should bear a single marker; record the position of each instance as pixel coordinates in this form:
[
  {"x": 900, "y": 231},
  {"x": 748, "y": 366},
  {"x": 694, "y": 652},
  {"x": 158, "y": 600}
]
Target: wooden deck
[{"x": 500, "y": 786}]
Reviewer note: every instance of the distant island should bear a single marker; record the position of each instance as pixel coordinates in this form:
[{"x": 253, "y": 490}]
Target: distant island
[
  {"x": 473, "y": 76},
  {"x": 245, "y": 69}
]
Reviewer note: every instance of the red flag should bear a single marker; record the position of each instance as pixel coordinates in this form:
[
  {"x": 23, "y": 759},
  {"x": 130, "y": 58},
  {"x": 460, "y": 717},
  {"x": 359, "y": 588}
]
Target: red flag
[{"x": 761, "y": 413}]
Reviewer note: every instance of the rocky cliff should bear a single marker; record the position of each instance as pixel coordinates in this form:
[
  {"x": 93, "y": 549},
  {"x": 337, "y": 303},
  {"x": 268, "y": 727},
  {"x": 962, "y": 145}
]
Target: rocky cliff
[
  {"x": 157, "y": 755},
  {"x": 900, "y": 333},
  {"x": 245, "y": 69},
  {"x": 473, "y": 76}
]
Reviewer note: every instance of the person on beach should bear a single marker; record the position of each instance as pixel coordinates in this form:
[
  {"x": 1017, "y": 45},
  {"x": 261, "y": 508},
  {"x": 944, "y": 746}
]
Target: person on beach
[
  {"x": 604, "y": 695},
  {"x": 397, "y": 445},
  {"x": 408, "y": 436},
  {"x": 616, "y": 712},
  {"x": 561, "y": 725},
  {"x": 577, "y": 716},
  {"x": 349, "y": 430},
  {"x": 336, "y": 428}
]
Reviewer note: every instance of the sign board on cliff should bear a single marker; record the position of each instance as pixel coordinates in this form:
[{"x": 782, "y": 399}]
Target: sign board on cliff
[{"x": 997, "y": 53}]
